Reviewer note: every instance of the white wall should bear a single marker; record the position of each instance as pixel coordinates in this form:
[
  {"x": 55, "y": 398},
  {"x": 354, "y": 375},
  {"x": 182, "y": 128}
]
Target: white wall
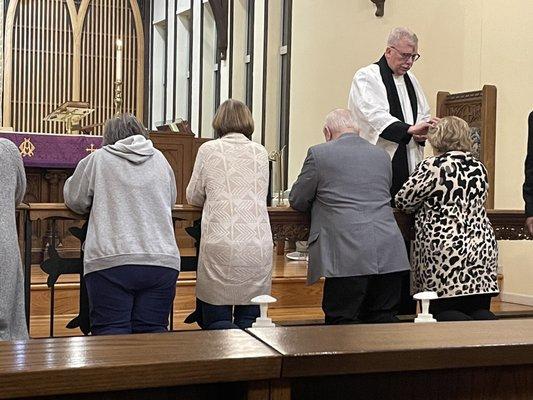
[
  {"x": 464, "y": 45},
  {"x": 182, "y": 61},
  {"x": 208, "y": 71},
  {"x": 323, "y": 60},
  {"x": 158, "y": 68},
  {"x": 239, "y": 49}
]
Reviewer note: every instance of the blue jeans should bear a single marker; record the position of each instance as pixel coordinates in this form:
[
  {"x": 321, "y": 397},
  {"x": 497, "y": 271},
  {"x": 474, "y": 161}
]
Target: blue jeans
[
  {"x": 213, "y": 317},
  {"x": 130, "y": 299}
]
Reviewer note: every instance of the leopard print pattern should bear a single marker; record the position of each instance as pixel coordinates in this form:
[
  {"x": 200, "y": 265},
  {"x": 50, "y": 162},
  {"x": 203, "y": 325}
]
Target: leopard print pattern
[{"x": 455, "y": 251}]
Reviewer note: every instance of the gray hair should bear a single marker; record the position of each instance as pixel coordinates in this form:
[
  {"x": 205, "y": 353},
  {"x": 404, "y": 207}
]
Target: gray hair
[
  {"x": 122, "y": 126},
  {"x": 340, "y": 120},
  {"x": 400, "y": 33}
]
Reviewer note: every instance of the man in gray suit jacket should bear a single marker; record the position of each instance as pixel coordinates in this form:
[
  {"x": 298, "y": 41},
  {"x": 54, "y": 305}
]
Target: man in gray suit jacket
[{"x": 354, "y": 241}]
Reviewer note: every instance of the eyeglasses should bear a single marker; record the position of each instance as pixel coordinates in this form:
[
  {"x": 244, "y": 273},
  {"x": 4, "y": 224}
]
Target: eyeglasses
[{"x": 407, "y": 56}]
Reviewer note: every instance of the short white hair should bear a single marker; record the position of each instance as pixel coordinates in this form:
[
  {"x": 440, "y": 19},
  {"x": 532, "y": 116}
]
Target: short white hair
[
  {"x": 400, "y": 33},
  {"x": 340, "y": 120}
]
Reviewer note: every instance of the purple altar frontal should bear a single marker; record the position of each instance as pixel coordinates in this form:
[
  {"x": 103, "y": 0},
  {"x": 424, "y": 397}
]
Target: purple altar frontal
[{"x": 48, "y": 150}]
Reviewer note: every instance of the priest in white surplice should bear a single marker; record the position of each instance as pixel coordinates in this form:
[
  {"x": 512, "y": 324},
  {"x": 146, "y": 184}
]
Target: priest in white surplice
[
  {"x": 392, "y": 112},
  {"x": 390, "y": 108}
]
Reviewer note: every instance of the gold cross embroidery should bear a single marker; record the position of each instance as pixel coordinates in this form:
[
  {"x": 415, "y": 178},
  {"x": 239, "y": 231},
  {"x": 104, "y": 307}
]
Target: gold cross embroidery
[{"x": 91, "y": 149}]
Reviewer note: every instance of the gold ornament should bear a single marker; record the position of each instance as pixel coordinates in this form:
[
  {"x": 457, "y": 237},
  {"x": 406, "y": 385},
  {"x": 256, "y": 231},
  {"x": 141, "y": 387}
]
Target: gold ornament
[{"x": 26, "y": 148}]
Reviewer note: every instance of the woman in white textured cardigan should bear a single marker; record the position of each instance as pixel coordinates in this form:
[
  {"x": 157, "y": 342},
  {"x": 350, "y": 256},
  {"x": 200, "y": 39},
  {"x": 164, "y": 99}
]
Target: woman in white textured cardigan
[{"x": 230, "y": 181}]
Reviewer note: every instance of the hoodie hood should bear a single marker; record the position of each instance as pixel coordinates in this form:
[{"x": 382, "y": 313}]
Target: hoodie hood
[{"x": 136, "y": 149}]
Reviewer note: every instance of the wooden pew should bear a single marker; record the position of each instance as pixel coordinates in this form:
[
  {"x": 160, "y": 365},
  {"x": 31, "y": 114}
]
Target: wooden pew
[
  {"x": 454, "y": 360},
  {"x": 446, "y": 361},
  {"x": 191, "y": 365}
]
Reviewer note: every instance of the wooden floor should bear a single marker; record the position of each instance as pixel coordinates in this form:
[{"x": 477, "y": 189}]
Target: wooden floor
[{"x": 297, "y": 302}]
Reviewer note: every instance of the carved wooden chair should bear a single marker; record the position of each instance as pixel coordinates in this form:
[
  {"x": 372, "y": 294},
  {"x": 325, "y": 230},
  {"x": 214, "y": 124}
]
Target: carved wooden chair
[{"x": 478, "y": 109}]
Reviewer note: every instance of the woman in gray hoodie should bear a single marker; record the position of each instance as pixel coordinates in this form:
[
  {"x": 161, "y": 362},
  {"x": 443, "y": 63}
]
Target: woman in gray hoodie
[{"x": 131, "y": 260}]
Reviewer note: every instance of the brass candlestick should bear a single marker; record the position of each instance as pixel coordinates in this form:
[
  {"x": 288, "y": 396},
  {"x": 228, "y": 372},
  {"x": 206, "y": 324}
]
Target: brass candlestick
[
  {"x": 118, "y": 99},
  {"x": 277, "y": 157}
]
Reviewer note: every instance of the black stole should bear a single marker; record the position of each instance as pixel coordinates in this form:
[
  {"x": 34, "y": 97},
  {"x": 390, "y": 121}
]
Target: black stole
[
  {"x": 527, "y": 188},
  {"x": 397, "y": 132}
]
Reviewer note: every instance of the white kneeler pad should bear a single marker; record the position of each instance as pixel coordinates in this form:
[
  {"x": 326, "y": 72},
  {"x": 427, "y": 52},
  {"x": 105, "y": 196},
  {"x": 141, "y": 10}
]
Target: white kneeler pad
[
  {"x": 263, "y": 321},
  {"x": 425, "y": 297}
]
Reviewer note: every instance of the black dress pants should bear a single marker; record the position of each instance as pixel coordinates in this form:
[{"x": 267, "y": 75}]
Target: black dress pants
[
  {"x": 400, "y": 174},
  {"x": 462, "y": 308},
  {"x": 362, "y": 299},
  {"x": 407, "y": 303}
]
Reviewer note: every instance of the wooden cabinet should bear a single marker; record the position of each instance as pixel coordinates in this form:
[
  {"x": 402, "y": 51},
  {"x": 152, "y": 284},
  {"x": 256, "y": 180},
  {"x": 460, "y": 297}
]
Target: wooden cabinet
[{"x": 180, "y": 150}]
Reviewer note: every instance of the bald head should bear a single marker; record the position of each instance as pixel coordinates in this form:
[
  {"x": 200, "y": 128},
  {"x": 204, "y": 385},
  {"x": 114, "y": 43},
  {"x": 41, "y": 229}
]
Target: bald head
[{"x": 338, "y": 122}]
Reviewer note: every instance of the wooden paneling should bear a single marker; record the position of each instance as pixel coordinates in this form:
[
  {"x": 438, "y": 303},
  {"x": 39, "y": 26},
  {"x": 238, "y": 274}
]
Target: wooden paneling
[
  {"x": 294, "y": 292},
  {"x": 66, "y": 299},
  {"x": 495, "y": 383},
  {"x": 178, "y": 150},
  {"x": 45, "y": 185},
  {"x": 56, "y": 51},
  {"x": 287, "y": 223}
]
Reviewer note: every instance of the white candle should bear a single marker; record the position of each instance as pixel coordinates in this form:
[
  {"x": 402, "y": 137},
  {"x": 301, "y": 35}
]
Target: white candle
[{"x": 119, "y": 61}]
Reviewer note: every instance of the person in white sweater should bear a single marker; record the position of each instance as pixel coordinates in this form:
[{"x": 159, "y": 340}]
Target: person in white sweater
[{"x": 131, "y": 260}]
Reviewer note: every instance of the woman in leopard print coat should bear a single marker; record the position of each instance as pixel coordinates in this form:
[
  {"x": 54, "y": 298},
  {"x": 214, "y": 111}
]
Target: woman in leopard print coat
[{"x": 455, "y": 252}]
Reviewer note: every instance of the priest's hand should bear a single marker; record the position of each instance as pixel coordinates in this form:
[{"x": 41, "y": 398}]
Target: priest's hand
[
  {"x": 419, "y": 131},
  {"x": 529, "y": 225},
  {"x": 433, "y": 121}
]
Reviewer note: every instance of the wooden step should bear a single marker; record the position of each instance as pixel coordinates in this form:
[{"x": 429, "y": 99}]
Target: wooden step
[
  {"x": 281, "y": 316},
  {"x": 289, "y": 288},
  {"x": 296, "y": 300},
  {"x": 290, "y": 292}
]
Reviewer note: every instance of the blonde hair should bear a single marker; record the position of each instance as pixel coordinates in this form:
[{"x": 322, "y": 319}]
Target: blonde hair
[
  {"x": 450, "y": 133},
  {"x": 233, "y": 116}
]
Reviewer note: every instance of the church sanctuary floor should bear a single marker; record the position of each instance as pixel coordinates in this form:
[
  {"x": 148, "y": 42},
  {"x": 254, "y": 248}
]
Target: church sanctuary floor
[{"x": 297, "y": 304}]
